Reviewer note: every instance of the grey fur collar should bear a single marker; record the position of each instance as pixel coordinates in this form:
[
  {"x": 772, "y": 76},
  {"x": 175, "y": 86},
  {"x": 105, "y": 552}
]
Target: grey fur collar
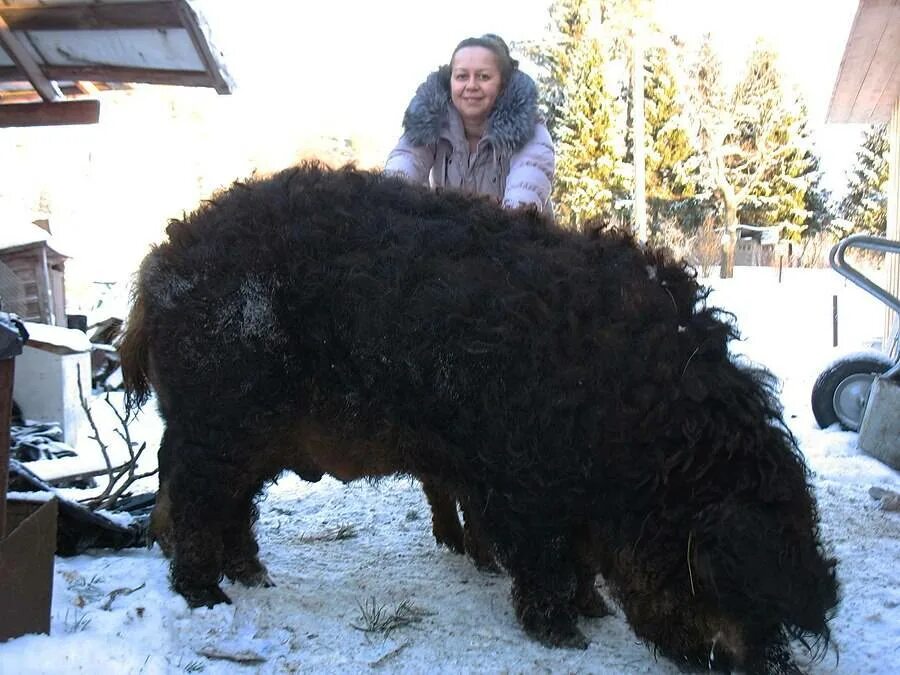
[{"x": 509, "y": 127}]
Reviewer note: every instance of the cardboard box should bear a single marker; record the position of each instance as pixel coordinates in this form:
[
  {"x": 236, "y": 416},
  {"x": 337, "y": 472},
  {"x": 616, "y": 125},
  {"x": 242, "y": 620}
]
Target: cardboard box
[{"x": 26, "y": 566}]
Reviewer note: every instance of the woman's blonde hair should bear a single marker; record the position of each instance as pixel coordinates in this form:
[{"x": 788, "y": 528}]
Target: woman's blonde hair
[{"x": 506, "y": 63}]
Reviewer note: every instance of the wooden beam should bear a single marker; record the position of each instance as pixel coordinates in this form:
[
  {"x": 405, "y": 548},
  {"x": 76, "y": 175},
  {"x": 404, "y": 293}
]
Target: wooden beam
[
  {"x": 185, "y": 78},
  {"x": 49, "y": 114},
  {"x": 201, "y": 44},
  {"x": 31, "y": 96},
  {"x": 7, "y": 372},
  {"x": 889, "y": 97},
  {"x": 92, "y": 16},
  {"x": 122, "y": 74},
  {"x": 26, "y": 63}
]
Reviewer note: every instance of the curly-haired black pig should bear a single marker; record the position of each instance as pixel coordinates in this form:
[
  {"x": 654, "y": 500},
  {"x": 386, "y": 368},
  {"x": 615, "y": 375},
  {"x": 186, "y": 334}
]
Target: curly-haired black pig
[{"x": 573, "y": 391}]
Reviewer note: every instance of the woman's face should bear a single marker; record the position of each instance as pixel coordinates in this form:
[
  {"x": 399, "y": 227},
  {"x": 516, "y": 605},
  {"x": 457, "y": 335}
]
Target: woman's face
[{"x": 474, "y": 83}]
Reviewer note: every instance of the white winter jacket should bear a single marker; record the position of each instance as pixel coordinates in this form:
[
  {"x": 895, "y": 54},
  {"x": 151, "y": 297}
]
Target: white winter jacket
[{"x": 514, "y": 161}]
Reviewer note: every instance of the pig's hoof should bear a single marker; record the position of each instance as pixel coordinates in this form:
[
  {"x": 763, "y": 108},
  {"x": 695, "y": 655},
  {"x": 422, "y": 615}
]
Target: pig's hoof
[
  {"x": 553, "y": 629},
  {"x": 481, "y": 555},
  {"x": 450, "y": 539},
  {"x": 592, "y": 604},
  {"x": 259, "y": 578},
  {"x": 204, "y": 596},
  {"x": 570, "y": 639},
  {"x": 249, "y": 573},
  {"x": 486, "y": 563}
]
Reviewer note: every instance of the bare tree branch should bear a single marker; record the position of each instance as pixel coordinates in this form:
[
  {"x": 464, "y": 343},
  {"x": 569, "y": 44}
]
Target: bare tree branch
[{"x": 122, "y": 477}]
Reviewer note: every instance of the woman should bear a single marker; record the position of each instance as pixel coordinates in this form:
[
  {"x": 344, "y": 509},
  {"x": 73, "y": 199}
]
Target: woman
[{"x": 474, "y": 125}]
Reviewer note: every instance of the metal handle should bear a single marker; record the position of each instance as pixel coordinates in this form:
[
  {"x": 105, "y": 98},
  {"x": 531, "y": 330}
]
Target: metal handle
[{"x": 845, "y": 269}]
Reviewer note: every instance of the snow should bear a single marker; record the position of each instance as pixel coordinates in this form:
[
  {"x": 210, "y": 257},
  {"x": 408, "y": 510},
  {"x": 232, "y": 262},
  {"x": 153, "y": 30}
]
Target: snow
[
  {"x": 68, "y": 339},
  {"x": 333, "y": 549}
]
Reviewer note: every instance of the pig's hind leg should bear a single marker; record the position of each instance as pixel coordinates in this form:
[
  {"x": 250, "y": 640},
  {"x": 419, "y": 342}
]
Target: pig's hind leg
[
  {"x": 210, "y": 494},
  {"x": 241, "y": 560}
]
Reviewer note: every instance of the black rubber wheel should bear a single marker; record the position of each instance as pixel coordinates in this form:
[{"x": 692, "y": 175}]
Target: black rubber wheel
[{"x": 841, "y": 391}]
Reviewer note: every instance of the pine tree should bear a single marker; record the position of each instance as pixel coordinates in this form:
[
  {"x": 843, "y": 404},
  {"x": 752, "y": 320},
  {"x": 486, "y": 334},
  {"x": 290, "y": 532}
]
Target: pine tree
[
  {"x": 865, "y": 205},
  {"x": 670, "y": 152},
  {"x": 589, "y": 134},
  {"x": 779, "y": 196},
  {"x": 583, "y": 113},
  {"x": 756, "y": 148},
  {"x": 568, "y": 27},
  {"x": 818, "y": 206}
]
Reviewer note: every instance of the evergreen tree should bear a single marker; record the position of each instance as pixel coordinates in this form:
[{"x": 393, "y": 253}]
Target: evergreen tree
[
  {"x": 755, "y": 144},
  {"x": 583, "y": 112},
  {"x": 568, "y": 27},
  {"x": 589, "y": 135},
  {"x": 780, "y": 195},
  {"x": 819, "y": 208},
  {"x": 865, "y": 205},
  {"x": 670, "y": 149}
]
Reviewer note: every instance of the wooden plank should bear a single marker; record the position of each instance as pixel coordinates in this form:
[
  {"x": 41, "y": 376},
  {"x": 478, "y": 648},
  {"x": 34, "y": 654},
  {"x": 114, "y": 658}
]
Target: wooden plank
[
  {"x": 862, "y": 43},
  {"x": 11, "y": 74},
  {"x": 185, "y": 78},
  {"x": 190, "y": 21},
  {"x": 49, "y": 114},
  {"x": 31, "y": 96},
  {"x": 26, "y": 63},
  {"x": 885, "y": 106},
  {"x": 893, "y": 225},
  {"x": 111, "y": 74},
  {"x": 162, "y": 14},
  {"x": 7, "y": 370},
  {"x": 881, "y": 69}
]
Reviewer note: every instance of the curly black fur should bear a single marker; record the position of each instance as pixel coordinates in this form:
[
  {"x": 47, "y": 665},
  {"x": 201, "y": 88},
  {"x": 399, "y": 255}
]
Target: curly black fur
[{"x": 573, "y": 390}]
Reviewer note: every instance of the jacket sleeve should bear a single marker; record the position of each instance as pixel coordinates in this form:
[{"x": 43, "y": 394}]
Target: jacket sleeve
[
  {"x": 412, "y": 162},
  {"x": 531, "y": 172}
]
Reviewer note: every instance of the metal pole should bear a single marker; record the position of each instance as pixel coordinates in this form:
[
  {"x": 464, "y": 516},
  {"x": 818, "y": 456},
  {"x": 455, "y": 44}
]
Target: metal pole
[{"x": 834, "y": 321}]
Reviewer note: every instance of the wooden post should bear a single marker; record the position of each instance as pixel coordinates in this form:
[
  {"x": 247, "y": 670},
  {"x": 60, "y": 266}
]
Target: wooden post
[
  {"x": 6, "y": 391},
  {"x": 892, "y": 262},
  {"x": 638, "y": 152},
  {"x": 780, "y": 262}
]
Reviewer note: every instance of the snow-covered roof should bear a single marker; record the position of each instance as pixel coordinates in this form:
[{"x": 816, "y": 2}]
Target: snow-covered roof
[
  {"x": 56, "y": 338},
  {"x": 16, "y": 233}
]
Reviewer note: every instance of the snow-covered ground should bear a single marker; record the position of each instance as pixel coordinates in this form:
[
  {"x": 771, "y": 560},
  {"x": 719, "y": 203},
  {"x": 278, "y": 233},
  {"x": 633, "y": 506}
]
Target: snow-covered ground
[{"x": 337, "y": 551}]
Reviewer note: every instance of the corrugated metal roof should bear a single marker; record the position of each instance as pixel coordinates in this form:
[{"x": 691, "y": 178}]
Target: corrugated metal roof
[{"x": 53, "y": 53}]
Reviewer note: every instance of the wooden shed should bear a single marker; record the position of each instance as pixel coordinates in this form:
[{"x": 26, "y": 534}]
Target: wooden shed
[{"x": 32, "y": 274}]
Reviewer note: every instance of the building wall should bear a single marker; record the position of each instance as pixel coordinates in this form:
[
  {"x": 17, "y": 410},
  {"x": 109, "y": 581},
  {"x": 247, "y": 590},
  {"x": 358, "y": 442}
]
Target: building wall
[
  {"x": 23, "y": 283},
  {"x": 892, "y": 321},
  {"x": 46, "y": 388}
]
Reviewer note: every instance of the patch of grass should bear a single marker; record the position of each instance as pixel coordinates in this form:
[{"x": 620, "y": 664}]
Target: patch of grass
[
  {"x": 77, "y": 623},
  {"x": 342, "y": 531},
  {"x": 377, "y": 618},
  {"x": 195, "y": 667},
  {"x": 86, "y": 590},
  {"x": 80, "y": 583}
]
